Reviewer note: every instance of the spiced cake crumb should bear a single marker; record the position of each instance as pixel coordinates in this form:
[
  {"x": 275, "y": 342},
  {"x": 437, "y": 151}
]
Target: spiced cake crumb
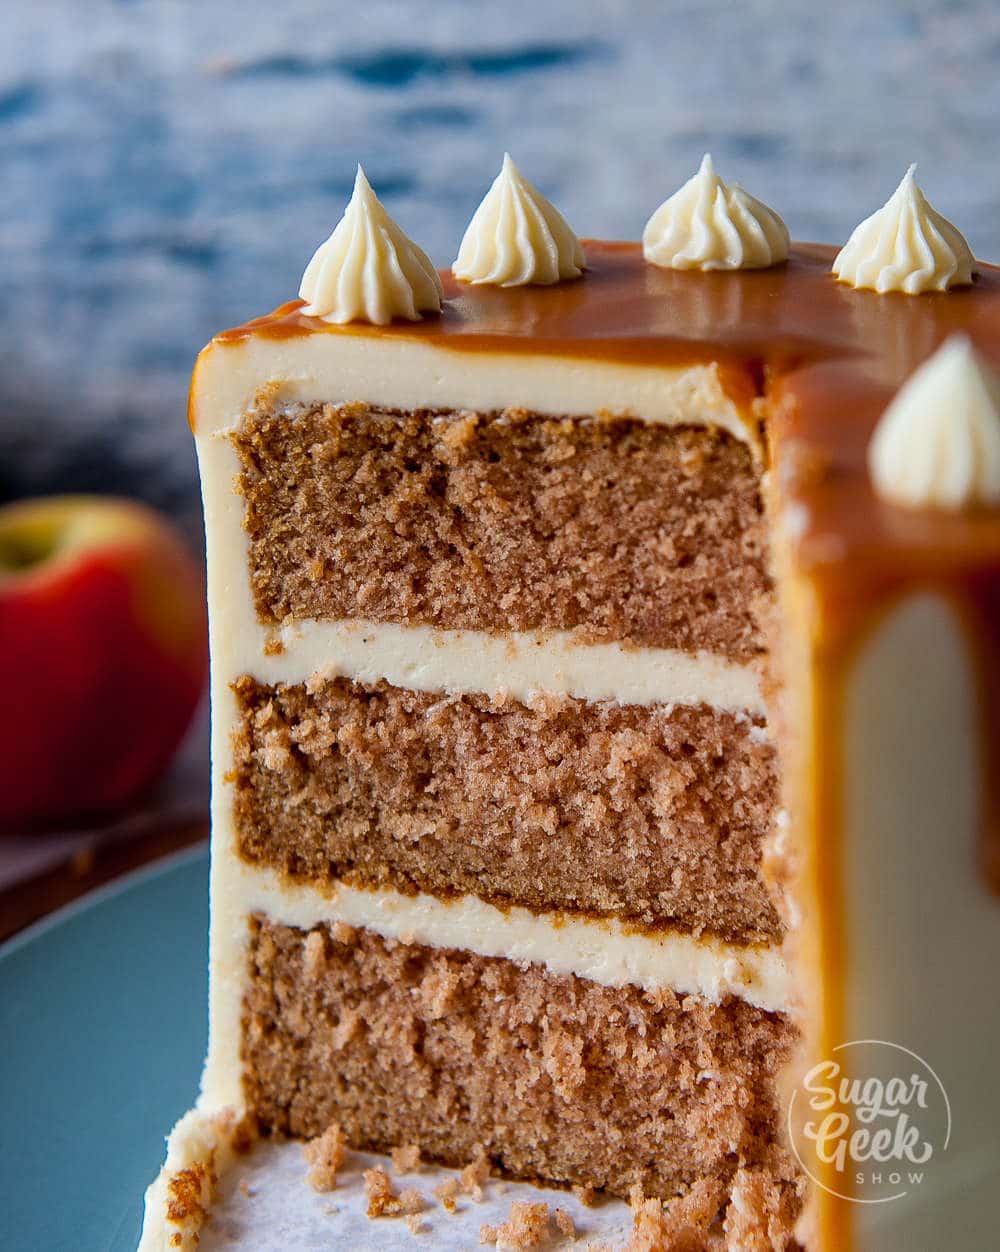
[
  {"x": 313, "y": 954},
  {"x": 564, "y": 1223},
  {"x": 383, "y": 1200},
  {"x": 585, "y": 1195},
  {"x": 447, "y": 1193},
  {"x": 325, "y": 1154},
  {"x": 475, "y": 1174},
  {"x": 760, "y": 1215},
  {"x": 406, "y": 1158},
  {"x": 527, "y": 1226},
  {"x": 186, "y": 1192},
  {"x": 683, "y": 1224}
]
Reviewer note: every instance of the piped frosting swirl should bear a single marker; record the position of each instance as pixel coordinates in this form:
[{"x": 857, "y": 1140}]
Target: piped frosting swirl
[
  {"x": 709, "y": 226},
  {"x": 368, "y": 270},
  {"x": 937, "y": 445},
  {"x": 906, "y": 246},
  {"x": 517, "y": 238}
]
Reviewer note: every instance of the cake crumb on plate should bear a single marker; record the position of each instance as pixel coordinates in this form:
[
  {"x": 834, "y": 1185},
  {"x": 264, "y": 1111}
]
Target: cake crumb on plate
[
  {"x": 383, "y": 1200},
  {"x": 526, "y": 1227},
  {"x": 326, "y": 1155},
  {"x": 564, "y": 1223},
  {"x": 475, "y": 1174},
  {"x": 447, "y": 1193},
  {"x": 406, "y": 1158}
]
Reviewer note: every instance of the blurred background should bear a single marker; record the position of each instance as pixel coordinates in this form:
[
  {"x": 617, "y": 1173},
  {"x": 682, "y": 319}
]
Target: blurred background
[{"x": 168, "y": 169}]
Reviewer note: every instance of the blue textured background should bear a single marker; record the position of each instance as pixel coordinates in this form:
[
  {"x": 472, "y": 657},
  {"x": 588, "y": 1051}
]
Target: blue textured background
[{"x": 167, "y": 168}]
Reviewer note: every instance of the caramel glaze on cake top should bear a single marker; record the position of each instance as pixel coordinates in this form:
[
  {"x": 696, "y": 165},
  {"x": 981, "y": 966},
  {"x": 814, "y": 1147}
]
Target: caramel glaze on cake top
[{"x": 827, "y": 359}]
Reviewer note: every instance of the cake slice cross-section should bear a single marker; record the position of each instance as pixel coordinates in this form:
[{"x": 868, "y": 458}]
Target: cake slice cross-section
[{"x": 536, "y": 634}]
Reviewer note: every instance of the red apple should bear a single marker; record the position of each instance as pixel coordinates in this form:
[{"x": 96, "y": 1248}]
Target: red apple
[{"x": 103, "y": 654}]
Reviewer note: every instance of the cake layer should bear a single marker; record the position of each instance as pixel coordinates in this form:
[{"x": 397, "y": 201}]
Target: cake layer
[
  {"x": 557, "y": 1078},
  {"x": 617, "y": 529},
  {"x": 652, "y": 814}
]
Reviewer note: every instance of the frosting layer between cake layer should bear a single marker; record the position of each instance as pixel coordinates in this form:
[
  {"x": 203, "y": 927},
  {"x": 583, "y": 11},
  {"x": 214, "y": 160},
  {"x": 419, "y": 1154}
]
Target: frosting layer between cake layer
[
  {"x": 599, "y": 949},
  {"x": 519, "y": 665}
]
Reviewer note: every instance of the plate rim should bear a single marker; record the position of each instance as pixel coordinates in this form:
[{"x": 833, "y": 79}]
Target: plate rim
[{"x": 98, "y": 896}]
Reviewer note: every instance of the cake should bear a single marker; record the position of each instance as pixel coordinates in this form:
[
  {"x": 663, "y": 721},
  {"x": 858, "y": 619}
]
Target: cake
[{"x": 604, "y": 722}]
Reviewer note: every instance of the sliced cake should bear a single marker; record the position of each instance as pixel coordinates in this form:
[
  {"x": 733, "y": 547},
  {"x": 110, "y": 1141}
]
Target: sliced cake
[{"x": 596, "y": 745}]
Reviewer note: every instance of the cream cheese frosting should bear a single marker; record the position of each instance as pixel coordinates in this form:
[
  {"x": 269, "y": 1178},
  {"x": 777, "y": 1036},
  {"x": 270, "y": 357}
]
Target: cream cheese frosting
[
  {"x": 519, "y": 666},
  {"x": 937, "y": 445},
  {"x": 400, "y": 373},
  {"x": 709, "y": 226},
  {"x": 201, "y": 1148},
  {"x": 517, "y": 238},
  {"x": 368, "y": 270},
  {"x": 906, "y": 246}
]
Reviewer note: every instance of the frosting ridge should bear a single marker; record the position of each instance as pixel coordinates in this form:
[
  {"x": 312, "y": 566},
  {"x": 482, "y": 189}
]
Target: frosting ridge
[
  {"x": 368, "y": 270},
  {"x": 937, "y": 445},
  {"x": 517, "y": 237},
  {"x": 708, "y": 225},
  {"x": 905, "y": 246}
]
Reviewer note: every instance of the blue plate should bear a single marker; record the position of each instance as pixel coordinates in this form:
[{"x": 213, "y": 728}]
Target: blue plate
[{"x": 102, "y": 1031}]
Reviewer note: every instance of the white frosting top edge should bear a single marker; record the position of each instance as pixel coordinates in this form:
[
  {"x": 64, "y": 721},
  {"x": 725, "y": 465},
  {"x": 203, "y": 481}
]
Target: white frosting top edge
[
  {"x": 708, "y": 225},
  {"x": 368, "y": 270},
  {"x": 937, "y": 445},
  {"x": 905, "y": 246},
  {"x": 517, "y": 237},
  {"x": 408, "y": 374}
]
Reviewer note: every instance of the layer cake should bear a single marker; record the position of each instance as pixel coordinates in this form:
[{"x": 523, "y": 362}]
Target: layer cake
[{"x": 593, "y": 748}]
